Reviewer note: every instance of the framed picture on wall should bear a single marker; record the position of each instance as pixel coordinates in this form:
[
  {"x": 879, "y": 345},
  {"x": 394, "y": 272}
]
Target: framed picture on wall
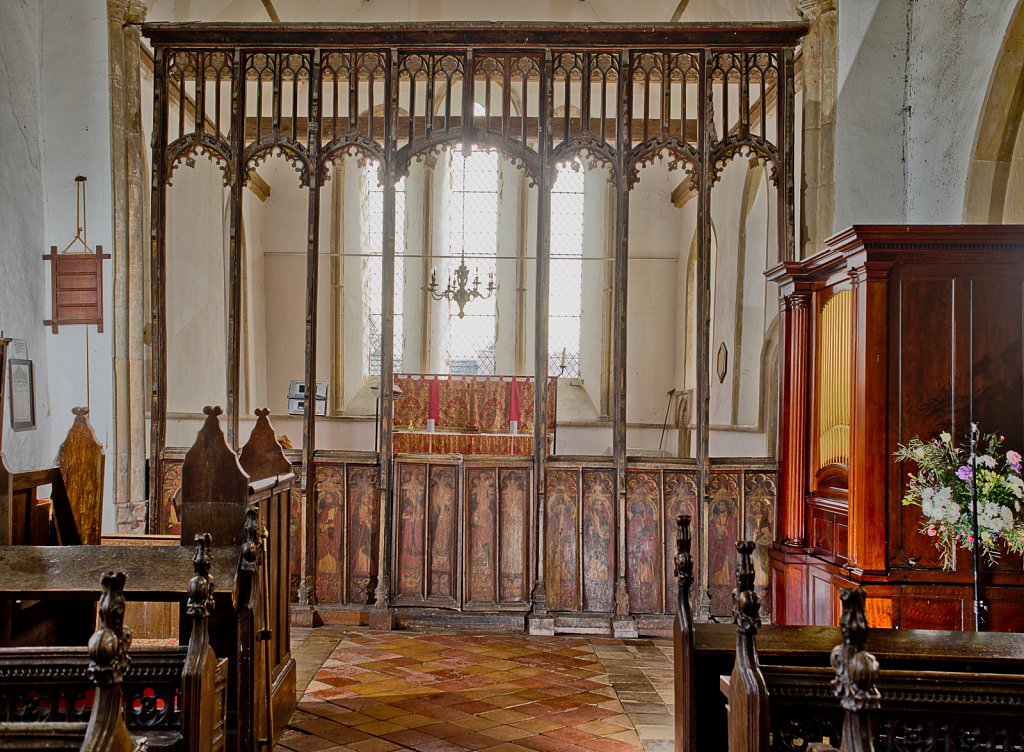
[{"x": 22, "y": 394}]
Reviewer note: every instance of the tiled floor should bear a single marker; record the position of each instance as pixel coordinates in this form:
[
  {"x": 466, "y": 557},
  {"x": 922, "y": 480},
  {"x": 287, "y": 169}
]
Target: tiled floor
[{"x": 453, "y": 692}]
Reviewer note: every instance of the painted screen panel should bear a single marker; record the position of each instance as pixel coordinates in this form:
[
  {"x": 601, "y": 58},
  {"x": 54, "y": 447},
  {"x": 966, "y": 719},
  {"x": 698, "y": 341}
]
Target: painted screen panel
[
  {"x": 443, "y": 559},
  {"x": 598, "y": 540},
  {"x": 680, "y": 498},
  {"x": 643, "y": 542},
  {"x": 514, "y": 516},
  {"x": 482, "y": 497},
  {"x": 561, "y": 554},
  {"x": 412, "y": 502},
  {"x": 363, "y": 529}
]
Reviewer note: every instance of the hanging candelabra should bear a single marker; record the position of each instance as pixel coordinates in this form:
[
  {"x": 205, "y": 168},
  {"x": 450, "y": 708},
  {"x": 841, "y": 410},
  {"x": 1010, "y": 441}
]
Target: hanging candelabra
[{"x": 459, "y": 290}]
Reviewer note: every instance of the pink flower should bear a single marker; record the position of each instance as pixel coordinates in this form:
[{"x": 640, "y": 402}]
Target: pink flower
[
  {"x": 970, "y": 539},
  {"x": 931, "y": 531},
  {"x": 1013, "y": 457}
]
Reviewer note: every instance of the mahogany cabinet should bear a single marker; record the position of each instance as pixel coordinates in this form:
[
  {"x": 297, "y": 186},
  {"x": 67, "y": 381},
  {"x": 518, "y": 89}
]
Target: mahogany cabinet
[{"x": 888, "y": 333}]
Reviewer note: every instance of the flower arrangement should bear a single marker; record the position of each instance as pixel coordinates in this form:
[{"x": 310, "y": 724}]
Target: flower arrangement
[{"x": 942, "y": 488}]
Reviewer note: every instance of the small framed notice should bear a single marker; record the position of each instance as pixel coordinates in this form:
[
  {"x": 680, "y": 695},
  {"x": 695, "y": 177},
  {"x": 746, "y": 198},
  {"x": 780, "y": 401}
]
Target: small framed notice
[{"x": 21, "y": 394}]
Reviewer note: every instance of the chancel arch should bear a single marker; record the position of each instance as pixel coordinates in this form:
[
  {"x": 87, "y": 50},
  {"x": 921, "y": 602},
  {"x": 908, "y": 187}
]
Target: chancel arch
[{"x": 996, "y": 174}]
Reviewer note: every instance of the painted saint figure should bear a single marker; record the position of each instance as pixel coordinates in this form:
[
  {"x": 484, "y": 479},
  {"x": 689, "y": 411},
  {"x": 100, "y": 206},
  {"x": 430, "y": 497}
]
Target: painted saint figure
[{"x": 442, "y": 500}]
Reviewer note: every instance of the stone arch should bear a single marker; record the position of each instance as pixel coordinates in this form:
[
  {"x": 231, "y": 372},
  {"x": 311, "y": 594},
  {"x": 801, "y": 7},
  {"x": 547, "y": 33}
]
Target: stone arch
[{"x": 999, "y": 136}]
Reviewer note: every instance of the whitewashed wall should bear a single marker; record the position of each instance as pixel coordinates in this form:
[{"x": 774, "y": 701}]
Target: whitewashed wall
[
  {"x": 23, "y": 305},
  {"x": 912, "y": 77}
]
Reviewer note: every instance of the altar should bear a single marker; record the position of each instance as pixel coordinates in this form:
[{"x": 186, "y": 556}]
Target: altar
[{"x": 454, "y": 414}]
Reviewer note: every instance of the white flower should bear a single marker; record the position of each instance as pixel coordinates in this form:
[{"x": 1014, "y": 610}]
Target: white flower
[
  {"x": 927, "y": 503},
  {"x": 946, "y": 438},
  {"x": 919, "y": 453},
  {"x": 985, "y": 461},
  {"x": 995, "y": 517},
  {"x": 1015, "y": 484},
  {"x": 938, "y": 504}
]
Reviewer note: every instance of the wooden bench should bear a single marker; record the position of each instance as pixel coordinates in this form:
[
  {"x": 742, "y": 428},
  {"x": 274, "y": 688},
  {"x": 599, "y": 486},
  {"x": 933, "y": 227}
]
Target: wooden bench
[
  {"x": 105, "y": 697},
  {"x": 248, "y": 522},
  {"x": 936, "y": 686},
  {"x": 69, "y": 516}
]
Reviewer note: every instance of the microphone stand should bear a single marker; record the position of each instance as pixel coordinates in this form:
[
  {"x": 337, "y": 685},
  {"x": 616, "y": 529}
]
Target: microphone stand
[{"x": 975, "y": 553}]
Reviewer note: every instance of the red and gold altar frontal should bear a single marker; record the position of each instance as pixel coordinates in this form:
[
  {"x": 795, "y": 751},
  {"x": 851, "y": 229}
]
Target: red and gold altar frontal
[{"x": 454, "y": 414}]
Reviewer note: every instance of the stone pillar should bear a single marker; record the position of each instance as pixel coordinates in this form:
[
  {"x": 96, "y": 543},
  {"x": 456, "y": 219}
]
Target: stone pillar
[
  {"x": 129, "y": 223},
  {"x": 819, "y": 105}
]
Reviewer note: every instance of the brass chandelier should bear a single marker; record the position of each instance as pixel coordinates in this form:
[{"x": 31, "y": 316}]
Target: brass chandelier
[{"x": 458, "y": 290}]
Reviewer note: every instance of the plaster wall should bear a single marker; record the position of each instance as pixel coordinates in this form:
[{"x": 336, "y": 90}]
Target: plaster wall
[
  {"x": 911, "y": 81},
  {"x": 196, "y": 289},
  {"x": 870, "y": 130},
  {"x": 953, "y": 49},
  {"x": 75, "y": 126},
  {"x": 656, "y": 240},
  {"x": 23, "y": 305}
]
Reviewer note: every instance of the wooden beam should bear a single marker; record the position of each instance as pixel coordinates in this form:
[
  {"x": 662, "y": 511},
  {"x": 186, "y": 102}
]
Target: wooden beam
[
  {"x": 442, "y": 35},
  {"x": 271, "y": 11}
]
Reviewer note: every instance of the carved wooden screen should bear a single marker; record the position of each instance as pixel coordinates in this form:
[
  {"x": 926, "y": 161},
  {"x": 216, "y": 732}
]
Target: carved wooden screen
[{"x": 698, "y": 95}]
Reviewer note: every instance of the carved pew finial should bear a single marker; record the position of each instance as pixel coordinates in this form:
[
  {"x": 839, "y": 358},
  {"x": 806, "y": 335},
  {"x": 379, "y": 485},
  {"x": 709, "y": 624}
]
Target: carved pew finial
[
  {"x": 200, "y": 587},
  {"x": 747, "y": 693},
  {"x": 684, "y": 656},
  {"x": 856, "y": 674},
  {"x": 108, "y": 654},
  {"x": 108, "y": 647},
  {"x": 746, "y": 611},
  {"x": 683, "y": 558},
  {"x": 198, "y": 675}
]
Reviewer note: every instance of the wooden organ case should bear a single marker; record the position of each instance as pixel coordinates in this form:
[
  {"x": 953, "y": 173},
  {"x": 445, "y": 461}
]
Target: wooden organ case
[{"x": 892, "y": 332}]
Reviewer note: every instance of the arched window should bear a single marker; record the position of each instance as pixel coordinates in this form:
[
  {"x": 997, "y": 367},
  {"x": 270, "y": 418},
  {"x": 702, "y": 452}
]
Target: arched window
[
  {"x": 372, "y": 211},
  {"x": 566, "y": 289},
  {"x": 472, "y": 230}
]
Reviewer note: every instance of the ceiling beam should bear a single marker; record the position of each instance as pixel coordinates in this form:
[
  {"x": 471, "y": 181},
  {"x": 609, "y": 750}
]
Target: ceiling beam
[
  {"x": 272, "y": 12},
  {"x": 680, "y": 10}
]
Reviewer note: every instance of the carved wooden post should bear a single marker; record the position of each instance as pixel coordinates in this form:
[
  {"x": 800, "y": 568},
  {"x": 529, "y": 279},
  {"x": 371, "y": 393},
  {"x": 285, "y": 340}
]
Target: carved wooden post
[
  {"x": 251, "y": 719},
  {"x": 684, "y": 672},
  {"x": 198, "y": 674},
  {"x": 748, "y": 694},
  {"x": 108, "y": 662},
  {"x": 856, "y": 674}
]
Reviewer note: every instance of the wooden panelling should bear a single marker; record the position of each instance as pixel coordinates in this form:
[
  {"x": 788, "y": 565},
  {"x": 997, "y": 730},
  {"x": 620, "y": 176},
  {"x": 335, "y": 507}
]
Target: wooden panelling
[
  {"x": 598, "y": 540},
  {"x": 514, "y": 486},
  {"x": 721, "y": 525},
  {"x": 481, "y": 536},
  {"x": 443, "y": 561},
  {"x": 937, "y": 322},
  {"x": 644, "y": 560},
  {"x": 561, "y": 545},
  {"x": 362, "y": 505}
]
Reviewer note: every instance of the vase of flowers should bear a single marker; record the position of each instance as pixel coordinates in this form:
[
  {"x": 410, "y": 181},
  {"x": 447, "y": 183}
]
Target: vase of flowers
[{"x": 946, "y": 477}]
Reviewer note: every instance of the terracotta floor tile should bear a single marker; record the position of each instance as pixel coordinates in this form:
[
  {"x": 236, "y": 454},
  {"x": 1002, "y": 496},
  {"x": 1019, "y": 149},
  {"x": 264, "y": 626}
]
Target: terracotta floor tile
[
  {"x": 474, "y": 741},
  {"x": 374, "y": 745},
  {"x": 538, "y": 725},
  {"x": 409, "y": 737},
  {"x": 460, "y": 692},
  {"x": 546, "y": 743},
  {"x": 508, "y": 733},
  {"x": 475, "y": 722}
]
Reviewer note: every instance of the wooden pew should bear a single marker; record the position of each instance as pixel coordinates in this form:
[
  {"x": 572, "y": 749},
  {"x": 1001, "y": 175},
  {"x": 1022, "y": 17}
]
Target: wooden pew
[
  {"x": 255, "y": 515},
  {"x": 171, "y": 697},
  {"x": 249, "y": 624},
  {"x": 936, "y": 683},
  {"x": 70, "y": 516}
]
